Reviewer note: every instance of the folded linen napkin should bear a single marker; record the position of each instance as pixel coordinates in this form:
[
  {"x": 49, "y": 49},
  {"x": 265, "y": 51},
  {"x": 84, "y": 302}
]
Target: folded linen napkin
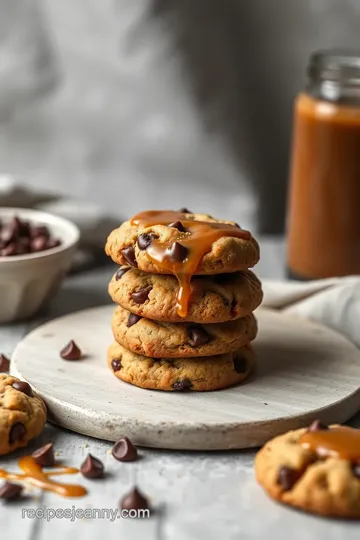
[{"x": 333, "y": 302}]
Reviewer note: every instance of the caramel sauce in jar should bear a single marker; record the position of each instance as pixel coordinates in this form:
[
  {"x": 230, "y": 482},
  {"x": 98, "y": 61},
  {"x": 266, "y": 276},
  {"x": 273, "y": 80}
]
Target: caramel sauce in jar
[{"x": 324, "y": 195}]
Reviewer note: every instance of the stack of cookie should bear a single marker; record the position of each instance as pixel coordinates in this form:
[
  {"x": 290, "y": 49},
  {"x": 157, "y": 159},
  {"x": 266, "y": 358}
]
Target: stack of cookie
[{"x": 185, "y": 298}]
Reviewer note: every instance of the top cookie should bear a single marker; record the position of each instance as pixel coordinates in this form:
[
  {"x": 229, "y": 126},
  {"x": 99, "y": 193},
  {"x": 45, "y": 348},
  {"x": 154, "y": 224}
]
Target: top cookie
[{"x": 174, "y": 242}]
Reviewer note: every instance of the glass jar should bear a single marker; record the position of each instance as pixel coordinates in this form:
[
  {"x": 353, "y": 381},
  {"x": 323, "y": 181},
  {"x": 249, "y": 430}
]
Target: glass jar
[{"x": 324, "y": 197}]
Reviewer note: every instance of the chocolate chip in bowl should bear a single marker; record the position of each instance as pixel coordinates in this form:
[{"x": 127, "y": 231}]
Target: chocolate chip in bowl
[{"x": 36, "y": 250}]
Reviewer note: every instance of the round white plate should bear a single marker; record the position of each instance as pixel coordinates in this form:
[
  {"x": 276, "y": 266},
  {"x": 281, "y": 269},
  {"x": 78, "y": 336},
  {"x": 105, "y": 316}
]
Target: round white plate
[{"x": 305, "y": 371}]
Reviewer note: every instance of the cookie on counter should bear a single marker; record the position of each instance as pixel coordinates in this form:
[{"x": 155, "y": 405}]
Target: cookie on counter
[
  {"x": 22, "y": 414},
  {"x": 181, "y": 374},
  {"x": 131, "y": 244},
  {"x": 160, "y": 339},
  {"x": 316, "y": 469},
  {"x": 213, "y": 299}
]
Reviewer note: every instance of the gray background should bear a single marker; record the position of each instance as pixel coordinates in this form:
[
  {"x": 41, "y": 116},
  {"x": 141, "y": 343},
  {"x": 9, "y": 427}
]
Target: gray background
[{"x": 136, "y": 103}]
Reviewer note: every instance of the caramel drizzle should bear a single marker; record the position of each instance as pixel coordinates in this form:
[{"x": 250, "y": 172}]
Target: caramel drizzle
[
  {"x": 34, "y": 475},
  {"x": 340, "y": 442},
  {"x": 198, "y": 238}
]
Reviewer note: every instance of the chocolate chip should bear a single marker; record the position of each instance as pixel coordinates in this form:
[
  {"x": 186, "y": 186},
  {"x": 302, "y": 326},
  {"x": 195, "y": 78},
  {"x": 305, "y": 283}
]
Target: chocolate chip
[
  {"x": 197, "y": 336},
  {"x": 356, "y": 470},
  {"x": 45, "y": 456},
  {"x": 184, "y": 211},
  {"x": 141, "y": 295},
  {"x": 119, "y": 274},
  {"x": 240, "y": 364},
  {"x": 317, "y": 426},
  {"x": 145, "y": 239},
  {"x": 17, "y": 432},
  {"x": 52, "y": 243},
  {"x": 10, "y": 492},
  {"x": 23, "y": 387},
  {"x": 116, "y": 364},
  {"x": 8, "y": 234},
  {"x": 92, "y": 467},
  {"x": 183, "y": 385},
  {"x": 129, "y": 255},
  {"x": 38, "y": 244},
  {"x": 71, "y": 351},
  {"x": 39, "y": 230},
  {"x": 177, "y": 252},
  {"x": 4, "y": 363},
  {"x": 124, "y": 450},
  {"x": 133, "y": 319},
  {"x": 177, "y": 225},
  {"x": 9, "y": 250},
  {"x": 134, "y": 500},
  {"x": 287, "y": 477}
]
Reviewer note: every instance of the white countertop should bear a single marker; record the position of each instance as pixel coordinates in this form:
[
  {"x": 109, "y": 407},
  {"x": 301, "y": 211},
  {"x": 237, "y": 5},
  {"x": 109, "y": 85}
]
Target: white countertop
[{"x": 197, "y": 495}]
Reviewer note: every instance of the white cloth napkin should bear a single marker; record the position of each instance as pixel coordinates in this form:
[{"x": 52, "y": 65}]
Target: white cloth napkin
[{"x": 332, "y": 302}]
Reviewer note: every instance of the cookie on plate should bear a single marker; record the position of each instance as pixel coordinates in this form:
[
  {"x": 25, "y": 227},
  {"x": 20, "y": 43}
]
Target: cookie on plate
[
  {"x": 22, "y": 414},
  {"x": 131, "y": 244},
  {"x": 314, "y": 469},
  {"x": 160, "y": 339},
  {"x": 213, "y": 299},
  {"x": 181, "y": 374}
]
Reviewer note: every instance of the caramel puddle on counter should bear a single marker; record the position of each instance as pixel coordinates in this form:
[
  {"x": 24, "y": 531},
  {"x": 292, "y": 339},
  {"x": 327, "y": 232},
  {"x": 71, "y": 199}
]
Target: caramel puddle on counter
[
  {"x": 340, "y": 441},
  {"x": 197, "y": 238},
  {"x": 34, "y": 475}
]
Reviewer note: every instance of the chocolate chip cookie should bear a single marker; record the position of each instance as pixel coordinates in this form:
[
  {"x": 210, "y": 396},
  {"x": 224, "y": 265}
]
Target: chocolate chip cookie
[
  {"x": 158, "y": 241},
  {"x": 158, "y": 339},
  {"x": 22, "y": 414},
  {"x": 315, "y": 469},
  {"x": 213, "y": 299},
  {"x": 181, "y": 374}
]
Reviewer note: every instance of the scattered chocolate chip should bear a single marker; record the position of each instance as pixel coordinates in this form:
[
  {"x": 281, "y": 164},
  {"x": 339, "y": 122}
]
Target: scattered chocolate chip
[
  {"x": 183, "y": 385},
  {"x": 197, "y": 336},
  {"x": 141, "y": 295},
  {"x": 144, "y": 240},
  {"x": 287, "y": 477},
  {"x": 177, "y": 252},
  {"x": 23, "y": 387},
  {"x": 129, "y": 255},
  {"x": 92, "y": 467},
  {"x": 356, "y": 470},
  {"x": 134, "y": 500},
  {"x": 177, "y": 225},
  {"x": 17, "y": 432},
  {"x": 240, "y": 364},
  {"x": 10, "y": 492},
  {"x": 124, "y": 450},
  {"x": 119, "y": 274},
  {"x": 116, "y": 364},
  {"x": 184, "y": 211},
  {"x": 4, "y": 363},
  {"x": 317, "y": 426},
  {"x": 45, "y": 456},
  {"x": 71, "y": 351},
  {"x": 133, "y": 319}
]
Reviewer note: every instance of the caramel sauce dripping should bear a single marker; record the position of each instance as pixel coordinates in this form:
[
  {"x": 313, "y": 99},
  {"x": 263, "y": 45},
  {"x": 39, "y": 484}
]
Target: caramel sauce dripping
[
  {"x": 339, "y": 442},
  {"x": 197, "y": 239},
  {"x": 34, "y": 475}
]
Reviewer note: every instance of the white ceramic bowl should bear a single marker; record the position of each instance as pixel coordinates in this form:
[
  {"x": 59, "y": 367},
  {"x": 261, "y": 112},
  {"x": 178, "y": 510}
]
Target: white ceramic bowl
[{"x": 28, "y": 282}]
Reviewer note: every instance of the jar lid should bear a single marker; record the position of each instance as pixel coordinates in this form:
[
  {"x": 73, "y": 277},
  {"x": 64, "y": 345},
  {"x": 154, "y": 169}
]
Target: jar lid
[{"x": 336, "y": 65}]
